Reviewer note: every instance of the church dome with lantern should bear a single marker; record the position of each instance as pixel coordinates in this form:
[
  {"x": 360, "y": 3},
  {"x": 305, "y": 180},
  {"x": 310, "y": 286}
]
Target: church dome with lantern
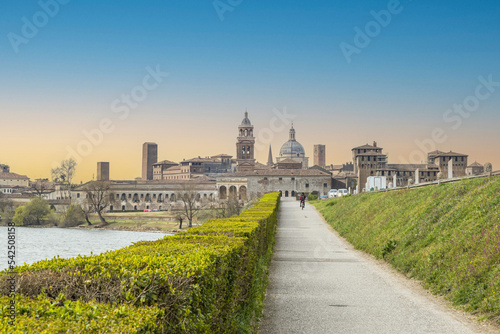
[{"x": 293, "y": 150}]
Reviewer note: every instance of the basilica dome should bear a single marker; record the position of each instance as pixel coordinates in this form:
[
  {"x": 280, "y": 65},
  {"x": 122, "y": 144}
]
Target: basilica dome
[{"x": 292, "y": 148}]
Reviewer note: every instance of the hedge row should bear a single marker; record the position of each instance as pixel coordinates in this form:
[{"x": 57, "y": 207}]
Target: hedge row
[{"x": 196, "y": 282}]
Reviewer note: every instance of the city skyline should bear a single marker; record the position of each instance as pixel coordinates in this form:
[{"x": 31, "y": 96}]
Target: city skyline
[{"x": 348, "y": 73}]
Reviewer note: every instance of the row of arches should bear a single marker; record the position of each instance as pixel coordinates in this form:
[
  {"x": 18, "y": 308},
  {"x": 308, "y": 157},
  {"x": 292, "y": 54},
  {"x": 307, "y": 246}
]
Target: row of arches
[
  {"x": 233, "y": 193},
  {"x": 158, "y": 198},
  {"x": 287, "y": 193}
]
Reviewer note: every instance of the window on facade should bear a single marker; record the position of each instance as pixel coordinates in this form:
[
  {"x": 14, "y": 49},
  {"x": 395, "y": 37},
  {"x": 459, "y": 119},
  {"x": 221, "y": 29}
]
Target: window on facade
[
  {"x": 265, "y": 179},
  {"x": 78, "y": 195},
  {"x": 325, "y": 185},
  {"x": 293, "y": 179},
  {"x": 281, "y": 179},
  {"x": 307, "y": 185}
]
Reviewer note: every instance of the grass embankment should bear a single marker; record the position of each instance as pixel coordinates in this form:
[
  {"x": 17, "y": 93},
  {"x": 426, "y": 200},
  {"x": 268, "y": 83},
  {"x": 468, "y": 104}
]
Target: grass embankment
[
  {"x": 210, "y": 279},
  {"x": 447, "y": 236}
]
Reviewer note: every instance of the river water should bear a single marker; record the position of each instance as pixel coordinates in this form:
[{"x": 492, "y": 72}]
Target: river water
[{"x": 35, "y": 244}]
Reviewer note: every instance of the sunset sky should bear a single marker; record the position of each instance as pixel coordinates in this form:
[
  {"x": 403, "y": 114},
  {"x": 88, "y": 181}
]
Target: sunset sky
[{"x": 414, "y": 76}]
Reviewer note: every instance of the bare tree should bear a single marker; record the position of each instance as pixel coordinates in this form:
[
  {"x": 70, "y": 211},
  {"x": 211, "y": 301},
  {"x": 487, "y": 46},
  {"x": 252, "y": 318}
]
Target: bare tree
[
  {"x": 86, "y": 210},
  {"x": 4, "y": 202},
  {"x": 64, "y": 174},
  {"x": 192, "y": 202},
  {"x": 227, "y": 209},
  {"x": 41, "y": 187},
  {"x": 98, "y": 197}
]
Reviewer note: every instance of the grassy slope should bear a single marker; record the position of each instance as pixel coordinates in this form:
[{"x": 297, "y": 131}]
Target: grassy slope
[{"x": 446, "y": 235}]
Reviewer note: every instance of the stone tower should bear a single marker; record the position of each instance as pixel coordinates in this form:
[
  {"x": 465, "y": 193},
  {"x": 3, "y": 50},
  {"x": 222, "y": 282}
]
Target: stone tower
[
  {"x": 103, "y": 171},
  {"x": 245, "y": 146},
  {"x": 320, "y": 155},
  {"x": 149, "y": 158}
]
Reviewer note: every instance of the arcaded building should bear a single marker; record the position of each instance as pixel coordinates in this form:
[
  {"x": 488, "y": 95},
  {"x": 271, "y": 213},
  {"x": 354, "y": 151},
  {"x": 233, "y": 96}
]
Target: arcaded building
[
  {"x": 289, "y": 175},
  {"x": 153, "y": 195}
]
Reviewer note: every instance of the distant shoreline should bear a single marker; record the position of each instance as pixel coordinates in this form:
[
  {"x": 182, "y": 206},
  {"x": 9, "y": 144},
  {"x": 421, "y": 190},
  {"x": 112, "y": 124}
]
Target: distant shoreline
[{"x": 109, "y": 227}]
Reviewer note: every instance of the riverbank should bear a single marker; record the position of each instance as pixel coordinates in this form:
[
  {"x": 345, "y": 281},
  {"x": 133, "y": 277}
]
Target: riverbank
[
  {"x": 160, "y": 227},
  {"x": 161, "y": 222}
]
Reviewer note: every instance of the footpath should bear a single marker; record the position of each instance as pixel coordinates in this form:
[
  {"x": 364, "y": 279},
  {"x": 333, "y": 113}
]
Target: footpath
[{"x": 319, "y": 284}]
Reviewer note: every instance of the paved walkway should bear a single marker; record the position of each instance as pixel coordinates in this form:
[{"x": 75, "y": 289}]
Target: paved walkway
[{"x": 318, "y": 284}]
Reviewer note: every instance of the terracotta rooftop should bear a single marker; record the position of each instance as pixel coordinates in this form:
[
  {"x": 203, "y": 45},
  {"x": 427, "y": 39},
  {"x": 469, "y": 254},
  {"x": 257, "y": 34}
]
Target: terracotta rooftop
[
  {"x": 279, "y": 172},
  {"x": 289, "y": 161},
  {"x": 475, "y": 164},
  {"x": 165, "y": 162},
  {"x": 222, "y": 156},
  {"x": 367, "y": 147},
  {"x": 411, "y": 167},
  {"x": 447, "y": 154},
  {"x": 259, "y": 165},
  {"x": 13, "y": 176},
  {"x": 370, "y": 154}
]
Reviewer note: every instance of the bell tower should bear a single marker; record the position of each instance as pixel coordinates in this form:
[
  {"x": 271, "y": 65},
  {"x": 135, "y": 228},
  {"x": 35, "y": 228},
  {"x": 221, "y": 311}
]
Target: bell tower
[{"x": 245, "y": 155}]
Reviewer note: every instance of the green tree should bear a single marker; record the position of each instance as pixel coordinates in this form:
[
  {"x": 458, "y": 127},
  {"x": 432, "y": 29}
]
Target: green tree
[
  {"x": 74, "y": 216},
  {"x": 32, "y": 213}
]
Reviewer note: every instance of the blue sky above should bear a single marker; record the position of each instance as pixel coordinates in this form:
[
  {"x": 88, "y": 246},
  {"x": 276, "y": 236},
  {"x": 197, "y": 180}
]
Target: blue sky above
[{"x": 263, "y": 55}]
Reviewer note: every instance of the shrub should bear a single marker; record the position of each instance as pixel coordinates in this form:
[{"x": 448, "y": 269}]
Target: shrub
[
  {"x": 203, "y": 281},
  {"x": 74, "y": 216},
  {"x": 44, "y": 315}
]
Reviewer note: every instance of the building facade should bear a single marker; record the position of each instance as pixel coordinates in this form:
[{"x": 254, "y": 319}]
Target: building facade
[
  {"x": 9, "y": 179},
  {"x": 289, "y": 182},
  {"x": 475, "y": 169},
  {"x": 369, "y": 160},
  {"x": 150, "y": 195}
]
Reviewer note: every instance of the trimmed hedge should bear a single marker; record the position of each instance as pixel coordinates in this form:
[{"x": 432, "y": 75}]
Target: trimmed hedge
[
  {"x": 44, "y": 315},
  {"x": 201, "y": 281}
]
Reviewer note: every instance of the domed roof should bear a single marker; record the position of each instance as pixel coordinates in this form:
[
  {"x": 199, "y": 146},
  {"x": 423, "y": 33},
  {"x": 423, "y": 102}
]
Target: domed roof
[
  {"x": 246, "y": 121},
  {"x": 292, "y": 147}
]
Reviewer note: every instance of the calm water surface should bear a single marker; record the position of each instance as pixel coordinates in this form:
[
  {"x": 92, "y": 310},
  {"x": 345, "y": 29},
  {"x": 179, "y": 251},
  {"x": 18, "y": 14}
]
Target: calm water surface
[{"x": 35, "y": 244}]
